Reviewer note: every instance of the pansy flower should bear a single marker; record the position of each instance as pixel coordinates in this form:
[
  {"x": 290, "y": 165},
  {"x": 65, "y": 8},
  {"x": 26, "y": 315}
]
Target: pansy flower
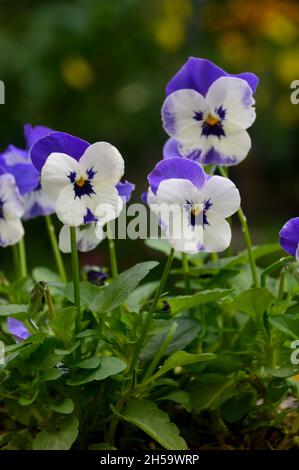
[
  {"x": 193, "y": 206},
  {"x": 289, "y": 237},
  {"x": 80, "y": 178},
  {"x": 96, "y": 275},
  {"x": 17, "y": 329},
  {"x": 11, "y": 211},
  {"x": 206, "y": 113},
  {"x": 17, "y": 162}
]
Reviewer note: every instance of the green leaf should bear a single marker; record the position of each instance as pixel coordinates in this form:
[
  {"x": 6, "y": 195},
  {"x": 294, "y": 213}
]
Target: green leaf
[
  {"x": 235, "y": 408},
  {"x": 109, "y": 366},
  {"x": 211, "y": 395},
  {"x": 63, "y": 325},
  {"x": 90, "y": 363},
  {"x": 149, "y": 418},
  {"x": 161, "y": 245},
  {"x": 88, "y": 292},
  {"x": 282, "y": 324},
  {"x": 180, "y": 358},
  {"x": 65, "y": 406},
  {"x": 181, "y": 397},
  {"x": 20, "y": 312},
  {"x": 58, "y": 436},
  {"x": 140, "y": 295},
  {"x": 184, "y": 302},
  {"x": 117, "y": 292},
  {"x": 254, "y": 302},
  {"x": 42, "y": 274}
]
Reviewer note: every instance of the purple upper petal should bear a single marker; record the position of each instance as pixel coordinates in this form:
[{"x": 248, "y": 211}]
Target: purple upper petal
[
  {"x": 34, "y": 133},
  {"x": 17, "y": 329},
  {"x": 180, "y": 168},
  {"x": 57, "y": 142},
  {"x": 199, "y": 74},
  {"x": 125, "y": 190},
  {"x": 289, "y": 236},
  {"x": 15, "y": 161}
]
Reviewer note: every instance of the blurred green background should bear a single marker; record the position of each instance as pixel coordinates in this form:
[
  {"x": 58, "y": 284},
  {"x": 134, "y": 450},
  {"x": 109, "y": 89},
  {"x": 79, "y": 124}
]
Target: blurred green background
[{"x": 98, "y": 69}]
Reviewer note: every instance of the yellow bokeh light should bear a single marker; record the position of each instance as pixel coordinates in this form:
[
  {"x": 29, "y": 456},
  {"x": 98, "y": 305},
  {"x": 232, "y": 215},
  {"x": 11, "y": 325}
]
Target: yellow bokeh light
[{"x": 77, "y": 72}]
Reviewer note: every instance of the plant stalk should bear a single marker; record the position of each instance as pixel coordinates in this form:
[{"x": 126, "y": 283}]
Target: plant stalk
[{"x": 55, "y": 248}]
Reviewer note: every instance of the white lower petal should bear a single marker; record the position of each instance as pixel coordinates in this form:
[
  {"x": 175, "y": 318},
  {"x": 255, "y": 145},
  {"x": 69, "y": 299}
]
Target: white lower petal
[
  {"x": 234, "y": 145},
  {"x": 105, "y": 161},
  {"x": 222, "y": 195},
  {"x": 234, "y": 96},
  {"x": 10, "y": 196},
  {"x": 108, "y": 203},
  {"x": 70, "y": 209},
  {"x": 11, "y": 231},
  {"x": 55, "y": 175},
  {"x": 217, "y": 234}
]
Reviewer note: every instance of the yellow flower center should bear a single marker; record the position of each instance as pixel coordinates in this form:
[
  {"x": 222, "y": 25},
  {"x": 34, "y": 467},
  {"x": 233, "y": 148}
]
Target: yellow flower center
[
  {"x": 211, "y": 120},
  {"x": 196, "y": 209},
  {"x": 80, "y": 182}
]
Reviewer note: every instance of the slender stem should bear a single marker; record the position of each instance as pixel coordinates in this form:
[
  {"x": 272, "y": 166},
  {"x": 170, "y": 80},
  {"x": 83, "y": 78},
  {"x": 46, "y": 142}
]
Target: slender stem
[
  {"x": 151, "y": 312},
  {"x": 55, "y": 248},
  {"x": 15, "y": 254},
  {"x": 281, "y": 285},
  {"x": 75, "y": 270},
  {"x": 22, "y": 259},
  {"x": 158, "y": 355},
  {"x": 214, "y": 256},
  {"x": 112, "y": 252},
  {"x": 247, "y": 237},
  {"x": 185, "y": 266},
  {"x": 282, "y": 262},
  {"x": 49, "y": 302}
]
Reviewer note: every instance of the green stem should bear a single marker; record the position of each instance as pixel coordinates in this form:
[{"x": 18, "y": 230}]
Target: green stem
[
  {"x": 214, "y": 256},
  {"x": 247, "y": 237},
  {"x": 281, "y": 263},
  {"x": 15, "y": 254},
  {"x": 22, "y": 259},
  {"x": 151, "y": 312},
  {"x": 112, "y": 252},
  {"x": 281, "y": 286},
  {"x": 158, "y": 355},
  {"x": 49, "y": 302},
  {"x": 55, "y": 248},
  {"x": 185, "y": 266},
  {"x": 75, "y": 270}
]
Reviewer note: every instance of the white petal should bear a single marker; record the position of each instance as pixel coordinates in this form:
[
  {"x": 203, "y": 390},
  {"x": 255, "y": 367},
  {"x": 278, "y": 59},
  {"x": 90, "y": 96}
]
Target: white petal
[
  {"x": 217, "y": 234},
  {"x": 71, "y": 210},
  {"x": 56, "y": 172},
  {"x": 235, "y": 145},
  {"x": 105, "y": 160},
  {"x": 40, "y": 200},
  {"x": 10, "y": 196},
  {"x": 178, "y": 114},
  {"x": 222, "y": 194},
  {"x": 234, "y": 96},
  {"x": 86, "y": 238},
  {"x": 176, "y": 191},
  {"x": 108, "y": 202},
  {"x": 11, "y": 231}
]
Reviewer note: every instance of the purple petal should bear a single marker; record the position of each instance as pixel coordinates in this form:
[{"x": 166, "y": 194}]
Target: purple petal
[
  {"x": 17, "y": 329},
  {"x": 34, "y": 133},
  {"x": 57, "y": 142},
  {"x": 125, "y": 190},
  {"x": 199, "y": 74},
  {"x": 170, "y": 149},
  {"x": 181, "y": 168},
  {"x": 144, "y": 197},
  {"x": 289, "y": 236},
  {"x": 26, "y": 176}
]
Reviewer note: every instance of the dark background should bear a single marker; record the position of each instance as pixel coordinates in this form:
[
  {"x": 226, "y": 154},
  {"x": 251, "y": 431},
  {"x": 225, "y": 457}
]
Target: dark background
[{"x": 98, "y": 69}]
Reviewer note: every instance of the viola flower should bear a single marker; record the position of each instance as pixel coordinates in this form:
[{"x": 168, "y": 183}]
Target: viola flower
[
  {"x": 193, "y": 206},
  {"x": 17, "y": 162},
  {"x": 80, "y": 178},
  {"x": 11, "y": 211},
  {"x": 206, "y": 113},
  {"x": 88, "y": 237},
  {"x": 96, "y": 275},
  {"x": 289, "y": 237},
  {"x": 125, "y": 190},
  {"x": 17, "y": 329}
]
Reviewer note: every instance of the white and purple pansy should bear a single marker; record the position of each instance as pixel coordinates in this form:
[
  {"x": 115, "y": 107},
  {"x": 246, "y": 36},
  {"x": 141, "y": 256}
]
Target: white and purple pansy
[
  {"x": 207, "y": 112},
  {"x": 11, "y": 211},
  {"x": 80, "y": 178},
  {"x": 193, "y": 206},
  {"x": 17, "y": 162},
  {"x": 289, "y": 237}
]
